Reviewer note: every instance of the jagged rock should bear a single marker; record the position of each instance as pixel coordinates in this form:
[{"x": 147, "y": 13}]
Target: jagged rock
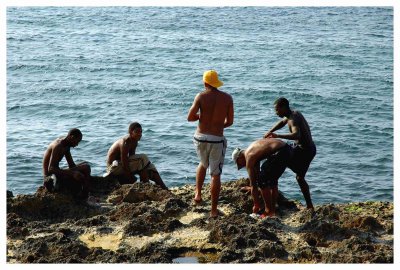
[
  {"x": 16, "y": 226},
  {"x": 142, "y": 223},
  {"x": 139, "y": 192}
]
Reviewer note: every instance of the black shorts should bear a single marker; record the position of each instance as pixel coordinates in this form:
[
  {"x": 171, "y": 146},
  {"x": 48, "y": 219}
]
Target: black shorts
[
  {"x": 274, "y": 167},
  {"x": 62, "y": 184},
  {"x": 301, "y": 159}
]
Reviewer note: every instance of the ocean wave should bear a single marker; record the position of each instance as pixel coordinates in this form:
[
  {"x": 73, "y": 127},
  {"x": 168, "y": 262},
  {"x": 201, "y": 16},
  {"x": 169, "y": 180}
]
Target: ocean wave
[
  {"x": 377, "y": 35},
  {"x": 30, "y": 67},
  {"x": 336, "y": 57}
]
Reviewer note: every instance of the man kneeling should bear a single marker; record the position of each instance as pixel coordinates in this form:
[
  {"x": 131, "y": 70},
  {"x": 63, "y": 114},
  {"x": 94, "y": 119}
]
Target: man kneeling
[
  {"x": 278, "y": 154},
  {"x": 123, "y": 162}
]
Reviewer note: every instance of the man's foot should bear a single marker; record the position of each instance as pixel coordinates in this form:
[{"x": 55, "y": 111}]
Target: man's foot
[
  {"x": 255, "y": 216},
  {"x": 164, "y": 187},
  {"x": 268, "y": 215},
  {"x": 245, "y": 189},
  {"x": 49, "y": 184},
  {"x": 216, "y": 214},
  {"x": 312, "y": 211},
  {"x": 93, "y": 201},
  {"x": 197, "y": 202},
  {"x": 197, "y": 199},
  {"x": 256, "y": 209}
]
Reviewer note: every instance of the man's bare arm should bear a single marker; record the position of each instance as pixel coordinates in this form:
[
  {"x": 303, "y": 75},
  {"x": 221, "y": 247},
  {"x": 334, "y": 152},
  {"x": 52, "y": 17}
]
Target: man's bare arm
[
  {"x": 230, "y": 115},
  {"x": 124, "y": 150},
  {"x": 294, "y": 135},
  {"x": 193, "y": 115},
  {"x": 56, "y": 156},
  {"x": 69, "y": 159},
  {"x": 277, "y": 126},
  {"x": 46, "y": 159},
  {"x": 252, "y": 167}
]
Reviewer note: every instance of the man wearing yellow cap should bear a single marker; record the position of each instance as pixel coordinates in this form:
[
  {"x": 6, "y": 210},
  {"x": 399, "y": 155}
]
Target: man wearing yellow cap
[{"x": 214, "y": 111}]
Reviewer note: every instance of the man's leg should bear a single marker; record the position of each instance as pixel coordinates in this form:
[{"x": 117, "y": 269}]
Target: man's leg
[
  {"x": 305, "y": 190},
  {"x": 274, "y": 198},
  {"x": 215, "y": 189},
  {"x": 155, "y": 176},
  {"x": 267, "y": 194},
  {"x": 200, "y": 175},
  {"x": 144, "y": 176},
  {"x": 275, "y": 194},
  {"x": 85, "y": 170}
]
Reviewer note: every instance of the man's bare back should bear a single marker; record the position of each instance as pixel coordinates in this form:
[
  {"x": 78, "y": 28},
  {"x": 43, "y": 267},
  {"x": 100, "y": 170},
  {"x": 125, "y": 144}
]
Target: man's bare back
[
  {"x": 216, "y": 111},
  {"x": 263, "y": 148},
  {"x": 54, "y": 156}
]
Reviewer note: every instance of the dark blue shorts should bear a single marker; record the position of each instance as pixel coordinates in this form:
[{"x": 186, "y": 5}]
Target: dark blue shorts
[
  {"x": 274, "y": 167},
  {"x": 301, "y": 159}
]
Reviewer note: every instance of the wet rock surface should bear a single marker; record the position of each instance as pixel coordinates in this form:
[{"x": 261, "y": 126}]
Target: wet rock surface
[{"x": 141, "y": 223}]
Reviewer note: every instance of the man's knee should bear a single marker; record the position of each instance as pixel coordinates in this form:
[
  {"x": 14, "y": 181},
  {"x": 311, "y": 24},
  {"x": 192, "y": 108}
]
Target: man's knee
[
  {"x": 216, "y": 177},
  {"x": 144, "y": 158},
  {"x": 202, "y": 167},
  {"x": 85, "y": 169},
  {"x": 301, "y": 181}
]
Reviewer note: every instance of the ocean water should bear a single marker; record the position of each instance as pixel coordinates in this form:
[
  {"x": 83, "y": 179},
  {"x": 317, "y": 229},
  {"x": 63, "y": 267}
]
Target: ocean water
[{"x": 99, "y": 69}]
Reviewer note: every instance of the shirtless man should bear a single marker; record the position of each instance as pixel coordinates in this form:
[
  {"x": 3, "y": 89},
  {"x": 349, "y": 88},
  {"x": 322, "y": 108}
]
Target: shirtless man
[
  {"x": 304, "y": 148},
  {"x": 123, "y": 161},
  {"x": 216, "y": 113},
  {"x": 55, "y": 152},
  {"x": 278, "y": 154}
]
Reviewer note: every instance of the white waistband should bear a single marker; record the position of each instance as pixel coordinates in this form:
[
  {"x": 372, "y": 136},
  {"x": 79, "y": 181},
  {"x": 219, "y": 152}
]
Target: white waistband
[{"x": 208, "y": 137}]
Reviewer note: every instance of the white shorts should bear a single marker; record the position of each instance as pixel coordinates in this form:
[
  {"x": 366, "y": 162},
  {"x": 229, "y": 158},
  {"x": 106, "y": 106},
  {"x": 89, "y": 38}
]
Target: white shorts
[
  {"x": 137, "y": 163},
  {"x": 211, "y": 151}
]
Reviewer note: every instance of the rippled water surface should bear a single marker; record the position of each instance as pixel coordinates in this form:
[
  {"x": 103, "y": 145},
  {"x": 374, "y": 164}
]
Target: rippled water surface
[{"x": 98, "y": 69}]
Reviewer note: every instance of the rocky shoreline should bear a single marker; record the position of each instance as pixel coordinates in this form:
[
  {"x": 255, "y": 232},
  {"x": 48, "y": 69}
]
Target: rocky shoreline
[{"x": 141, "y": 223}]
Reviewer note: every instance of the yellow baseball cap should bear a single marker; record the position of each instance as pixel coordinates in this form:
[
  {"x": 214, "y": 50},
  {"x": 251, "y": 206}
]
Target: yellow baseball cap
[{"x": 211, "y": 77}]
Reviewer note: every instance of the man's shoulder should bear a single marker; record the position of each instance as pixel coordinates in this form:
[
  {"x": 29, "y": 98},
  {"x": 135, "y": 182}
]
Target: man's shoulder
[
  {"x": 56, "y": 143},
  {"x": 296, "y": 115},
  {"x": 228, "y": 97},
  {"x": 58, "y": 147},
  {"x": 127, "y": 140},
  {"x": 124, "y": 140},
  {"x": 225, "y": 97},
  {"x": 225, "y": 93}
]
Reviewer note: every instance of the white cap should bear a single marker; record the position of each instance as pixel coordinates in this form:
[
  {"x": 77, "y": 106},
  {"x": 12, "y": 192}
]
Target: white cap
[{"x": 236, "y": 153}]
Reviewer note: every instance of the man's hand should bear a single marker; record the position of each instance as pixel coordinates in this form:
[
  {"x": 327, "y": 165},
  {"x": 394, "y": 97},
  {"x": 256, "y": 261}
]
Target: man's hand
[{"x": 268, "y": 134}]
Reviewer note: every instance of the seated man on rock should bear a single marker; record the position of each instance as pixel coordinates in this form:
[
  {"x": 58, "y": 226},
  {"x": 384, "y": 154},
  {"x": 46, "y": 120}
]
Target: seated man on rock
[
  {"x": 278, "y": 154},
  {"x": 123, "y": 162},
  {"x": 75, "y": 177}
]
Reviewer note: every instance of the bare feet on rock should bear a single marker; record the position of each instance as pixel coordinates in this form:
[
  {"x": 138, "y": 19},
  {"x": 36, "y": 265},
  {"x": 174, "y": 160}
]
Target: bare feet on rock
[
  {"x": 197, "y": 202},
  {"x": 245, "y": 189}
]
